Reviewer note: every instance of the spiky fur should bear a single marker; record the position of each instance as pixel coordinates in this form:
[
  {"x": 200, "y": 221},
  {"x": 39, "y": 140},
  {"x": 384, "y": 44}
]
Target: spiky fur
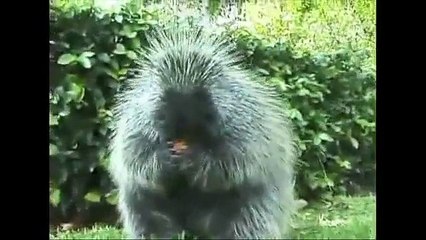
[{"x": 256, "y": 162}]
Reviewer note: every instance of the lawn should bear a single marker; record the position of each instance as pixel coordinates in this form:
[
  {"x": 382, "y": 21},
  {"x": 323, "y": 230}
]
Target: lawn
[{"x": 344, "y": 218}]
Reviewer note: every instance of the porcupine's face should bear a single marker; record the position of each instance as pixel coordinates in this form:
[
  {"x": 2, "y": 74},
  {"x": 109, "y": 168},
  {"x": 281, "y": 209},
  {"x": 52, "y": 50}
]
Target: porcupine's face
[{"x": 188, "y": 122}]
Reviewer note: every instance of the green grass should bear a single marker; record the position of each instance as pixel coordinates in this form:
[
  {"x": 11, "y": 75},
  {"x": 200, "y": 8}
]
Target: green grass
[{"x": 344, "y": 218}]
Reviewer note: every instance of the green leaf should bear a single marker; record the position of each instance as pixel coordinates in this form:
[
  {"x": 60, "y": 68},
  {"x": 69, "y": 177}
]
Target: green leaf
[
  {"x": 127, "y": 31},
  {"x": 120, "y": 49},
  {"x": 337, "y": 129},
  {"x": 287, "y": 69},
  {"x": 283, "y": 86},
  {"x": 53, "y": 150},
  {"x": 85, "y": 62},
  {"x": 65, "y": 112},
  {"x": 87, "y": 54},
  {"x": 143, "y": 26},
  {"x": 343, "y": 163},
  {"x": 295, "y": 114},
  {"x": 111, "y": 73},
  {"x": 303, "y": 92},
  {"x": 313, "y": 182},
  {"x": 53, "y": 120},
  {"x": 302, "y": 146},
  {"x": 112, "y": 197},
  {"x": 93, "y": 196},
  {"x": 317, "y": 140},
  {"x": 66, "y": 59},
  {"x": 132, "y": 35},
  {"x": 119, "y": 18},
  {"x": 115, "y": 65},
  {"x": 74, "y": 78},
  {"x": 104, "y": 57},
  {"x": 364, "y": 123},
  {"x": 346, "y": 164},
  {"x": 262, "y": 71},
  {"x": 274, "y": 67},
  {"x": 275, "y": 80},
  {"x": 325, "y": 137},
  {"x": 280, "y": 83},
  {"x": 123, "y": 71},
  {"x": 354, "y": 142},
  {"x": 132, "y": 55},
  {"x": 329, "y": 182},
  {"x": 77, "y": 92},
  {"x": 55, "y": 197},
  {"x": 135, "y": 43}
]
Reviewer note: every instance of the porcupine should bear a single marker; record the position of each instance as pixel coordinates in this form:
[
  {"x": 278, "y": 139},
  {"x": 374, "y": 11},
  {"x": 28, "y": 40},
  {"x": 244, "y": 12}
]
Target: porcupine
[{"x": 235, "y": 177}]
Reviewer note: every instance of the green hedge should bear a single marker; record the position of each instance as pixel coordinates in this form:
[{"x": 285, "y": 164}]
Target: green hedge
[{"x": 331, "y": 98}]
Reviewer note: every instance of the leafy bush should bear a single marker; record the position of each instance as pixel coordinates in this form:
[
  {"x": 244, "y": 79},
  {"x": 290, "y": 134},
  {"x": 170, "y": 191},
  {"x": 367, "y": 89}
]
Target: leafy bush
[
  {"x": 316, "y": 26},
  {"x": 90, "y": 54},
  {"x": 330, "y": 97}
]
